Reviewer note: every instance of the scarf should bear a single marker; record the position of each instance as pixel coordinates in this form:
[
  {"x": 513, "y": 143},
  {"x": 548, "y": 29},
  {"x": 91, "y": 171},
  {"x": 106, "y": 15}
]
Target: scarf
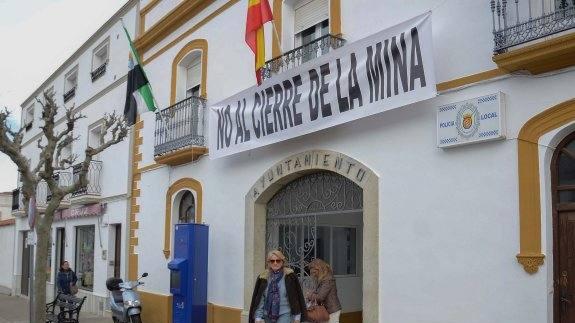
[{"x": 272, "y": 305}]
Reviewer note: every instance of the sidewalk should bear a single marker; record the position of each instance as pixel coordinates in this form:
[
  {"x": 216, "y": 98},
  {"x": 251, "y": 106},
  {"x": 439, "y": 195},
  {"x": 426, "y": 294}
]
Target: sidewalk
[{"x": 15, "y": 310}]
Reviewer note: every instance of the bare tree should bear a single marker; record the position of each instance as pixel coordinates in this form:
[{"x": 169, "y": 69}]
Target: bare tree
[{"x": 51, "y": 160}]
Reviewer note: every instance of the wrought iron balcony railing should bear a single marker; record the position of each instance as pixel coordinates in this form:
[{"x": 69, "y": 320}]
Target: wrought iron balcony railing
[
  {"x": 99, "y": 71},
  {"x": 93, "y": 176},
  {"x": 516, "y": 22},
  {"x": 302, "y": 54},
  {"x": 16, "y": 200},
  {"x": 63, "y": 178},
  {"x": 70, "y": 94},
  {"x": 181, "y": 125}
]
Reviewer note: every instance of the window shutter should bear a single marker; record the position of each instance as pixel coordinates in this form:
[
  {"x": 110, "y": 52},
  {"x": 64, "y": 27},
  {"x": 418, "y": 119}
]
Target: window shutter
[
  {"x": 194, "y": 74},
  {"x": 309, "y": 13}
]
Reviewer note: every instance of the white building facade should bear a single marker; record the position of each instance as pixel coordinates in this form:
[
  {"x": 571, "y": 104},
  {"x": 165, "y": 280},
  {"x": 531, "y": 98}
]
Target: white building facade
[
  {"x": 90, "y": 228},
  {"x": 414, "y": 232}
]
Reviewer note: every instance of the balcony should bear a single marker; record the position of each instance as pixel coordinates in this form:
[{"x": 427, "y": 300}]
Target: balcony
[
  {"x": 70, "y": 94},
  {"x": 99, "y": 71},
  {"x": 301, "y": 55},
  {"x": 63, "y": 178},
  {"x": 93, "y": 190},
  {"x": 180, "y": 132},
  {"x": 533, "y": 35}
]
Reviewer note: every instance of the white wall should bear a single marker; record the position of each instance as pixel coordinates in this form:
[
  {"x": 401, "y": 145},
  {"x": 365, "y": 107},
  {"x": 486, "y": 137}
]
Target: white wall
[{"x": 7, "y": 234}]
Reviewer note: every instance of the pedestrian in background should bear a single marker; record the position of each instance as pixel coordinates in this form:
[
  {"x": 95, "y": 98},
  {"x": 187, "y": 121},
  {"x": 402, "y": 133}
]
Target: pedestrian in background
[{"x": 325, "y": 292}]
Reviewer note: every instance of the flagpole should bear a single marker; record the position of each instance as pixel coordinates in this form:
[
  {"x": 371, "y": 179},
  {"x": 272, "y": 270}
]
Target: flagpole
[{"x": 277, "y": 37}]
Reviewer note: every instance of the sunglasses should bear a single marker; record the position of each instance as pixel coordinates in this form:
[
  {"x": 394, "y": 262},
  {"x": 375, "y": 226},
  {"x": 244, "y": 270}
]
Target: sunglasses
[{"x": 277, "y": 261}]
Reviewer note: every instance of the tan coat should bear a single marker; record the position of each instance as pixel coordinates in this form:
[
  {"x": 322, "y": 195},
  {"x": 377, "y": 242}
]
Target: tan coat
[{"x": 326, "y": 295}]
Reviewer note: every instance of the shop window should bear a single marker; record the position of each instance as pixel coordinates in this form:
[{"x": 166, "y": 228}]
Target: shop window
[
  {"x": 85, "y": 236},
  {"x": 187, "y": 208}
]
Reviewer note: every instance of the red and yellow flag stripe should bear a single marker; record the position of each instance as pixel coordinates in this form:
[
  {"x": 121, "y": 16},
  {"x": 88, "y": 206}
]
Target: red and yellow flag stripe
[{"x": 259, "y": 12}]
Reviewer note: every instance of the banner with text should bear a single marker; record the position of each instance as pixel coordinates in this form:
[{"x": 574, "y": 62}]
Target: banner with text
[{"x": 387, "y": 70}]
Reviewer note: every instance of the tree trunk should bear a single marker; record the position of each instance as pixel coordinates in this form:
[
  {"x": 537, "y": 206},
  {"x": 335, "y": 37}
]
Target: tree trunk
[{"x": 43, "y": 226}]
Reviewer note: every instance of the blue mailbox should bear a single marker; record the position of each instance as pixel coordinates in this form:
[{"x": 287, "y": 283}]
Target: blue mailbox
[{"x": 189, "y": 273}]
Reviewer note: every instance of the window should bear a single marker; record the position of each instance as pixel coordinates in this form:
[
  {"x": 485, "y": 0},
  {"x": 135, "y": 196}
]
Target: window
[
  {"x": 85, "y": 256},
  {"x": 343, "y": 262},
  {"x": 311, "y": 21},
  {"x": 100, "y": 59},
  {"x": 95, "y": 136},
  {"x": 65, "y": 154},
  {"x": 70, "y": 84},
  {"x": 190, "y": 76},
  {"x": 28, "y": 117},
  {"x": 187, "y": 209}
]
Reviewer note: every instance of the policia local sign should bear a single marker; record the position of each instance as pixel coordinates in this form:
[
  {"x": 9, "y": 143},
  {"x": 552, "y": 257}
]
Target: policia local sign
[
  {"x": 471, "y": 121},
  {"x": 387, "y": 70}
]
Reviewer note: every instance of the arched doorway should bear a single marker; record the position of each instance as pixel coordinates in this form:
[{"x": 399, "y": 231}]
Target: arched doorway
[
  {"x": 280, "y": 175},
  {"x": 319, "y": 215},
  {"x": 563, "y": 185}
]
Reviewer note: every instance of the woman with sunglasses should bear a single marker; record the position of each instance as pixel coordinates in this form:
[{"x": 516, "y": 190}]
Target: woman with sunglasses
[{"x": 277, "y": 297}]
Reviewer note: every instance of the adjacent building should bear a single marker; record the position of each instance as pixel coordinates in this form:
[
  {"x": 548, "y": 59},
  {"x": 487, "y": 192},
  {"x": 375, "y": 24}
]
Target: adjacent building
[
  {"x": 6, "y": 239},
  {"x": 90, "y": 228}
]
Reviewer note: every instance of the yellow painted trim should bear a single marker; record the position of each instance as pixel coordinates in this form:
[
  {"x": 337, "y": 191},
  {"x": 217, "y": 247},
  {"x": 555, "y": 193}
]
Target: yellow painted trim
[
  {"x": 541, "y": 57},
  {"x": 184, "y": 183},
  {"x": 181, "y": 14},
  {"x": 156, "y": 307},
  {"x": 530, "y": 255},
  {"x": 182, "y": 156},
  {"x": 134, "y": 206},
  {"x": 191, "y": 30},
  {"x": 223, "y": 314},
  {"x": 151, "y": 5},
  {"x": 276, "y": 43},
  {"x": 149, "y": 167},
  {"x": 196, "y": 44},
  {"x": 470, "y": 79},
  {"x": 335, "y": 17}
]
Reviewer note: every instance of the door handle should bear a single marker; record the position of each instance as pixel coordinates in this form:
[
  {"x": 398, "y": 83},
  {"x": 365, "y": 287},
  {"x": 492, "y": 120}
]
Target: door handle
[
  {"x": 564, "y": 279},
  {"x": 565, "y": 300}
]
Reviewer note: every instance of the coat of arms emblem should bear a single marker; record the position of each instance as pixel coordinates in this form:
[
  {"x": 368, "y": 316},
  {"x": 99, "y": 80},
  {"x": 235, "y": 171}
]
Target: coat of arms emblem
[{"x": 467, "y": 120}]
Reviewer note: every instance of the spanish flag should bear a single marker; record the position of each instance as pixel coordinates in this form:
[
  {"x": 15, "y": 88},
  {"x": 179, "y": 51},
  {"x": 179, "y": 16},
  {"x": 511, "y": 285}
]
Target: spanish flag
[{"x": 259, "y": 12}]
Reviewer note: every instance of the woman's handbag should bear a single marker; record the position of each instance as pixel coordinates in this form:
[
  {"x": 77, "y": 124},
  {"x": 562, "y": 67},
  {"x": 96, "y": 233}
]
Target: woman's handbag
[
  {"x": 73, "y": 289},
  {"x": 317, "y": 313}
]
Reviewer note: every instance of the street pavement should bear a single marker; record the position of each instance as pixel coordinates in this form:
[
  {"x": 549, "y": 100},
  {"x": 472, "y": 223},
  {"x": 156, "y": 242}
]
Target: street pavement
[{"x": 15, "y": 310}]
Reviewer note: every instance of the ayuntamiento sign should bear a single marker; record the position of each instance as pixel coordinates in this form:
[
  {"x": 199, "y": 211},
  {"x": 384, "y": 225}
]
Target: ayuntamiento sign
[{"x": 387, "y": 70}]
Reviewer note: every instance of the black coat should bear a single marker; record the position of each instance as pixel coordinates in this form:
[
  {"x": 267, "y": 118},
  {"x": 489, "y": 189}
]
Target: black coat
[
  {"x": 293, "y": 289},
  {"x": 64, "y": 279}
]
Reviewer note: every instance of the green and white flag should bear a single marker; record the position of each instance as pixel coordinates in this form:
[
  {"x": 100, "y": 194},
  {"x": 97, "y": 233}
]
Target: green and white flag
[{"x": 138, "y": 86}]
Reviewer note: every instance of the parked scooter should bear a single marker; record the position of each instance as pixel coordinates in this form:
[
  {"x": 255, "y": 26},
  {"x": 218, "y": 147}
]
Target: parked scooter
[{"x": 124, "y": 300}]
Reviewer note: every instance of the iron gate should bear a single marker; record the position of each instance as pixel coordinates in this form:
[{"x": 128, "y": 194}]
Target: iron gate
[{"x": 292, "y": 215}]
